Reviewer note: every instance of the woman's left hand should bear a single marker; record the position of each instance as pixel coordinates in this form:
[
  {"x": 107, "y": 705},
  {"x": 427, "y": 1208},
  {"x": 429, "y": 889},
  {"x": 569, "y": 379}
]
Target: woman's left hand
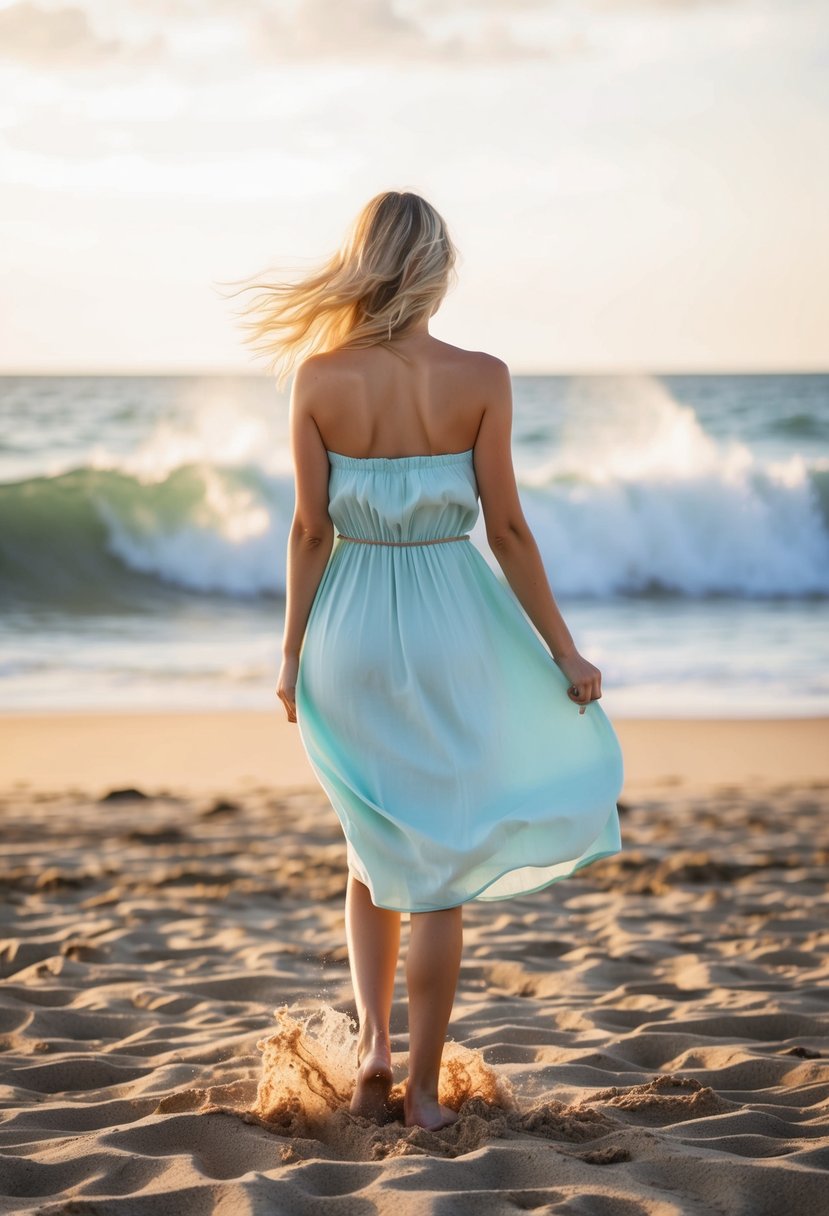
[{"x": 286, "y": 687}]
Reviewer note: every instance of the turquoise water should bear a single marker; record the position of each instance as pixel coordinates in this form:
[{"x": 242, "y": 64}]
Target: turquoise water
[{"x": 683, "y": 521}]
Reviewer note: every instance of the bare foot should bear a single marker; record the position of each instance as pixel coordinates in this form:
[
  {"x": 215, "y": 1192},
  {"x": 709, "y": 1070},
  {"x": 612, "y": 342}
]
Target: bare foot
[
  {"x": 373, "y": 1085},
  {"x": 427, "y": 1112}
]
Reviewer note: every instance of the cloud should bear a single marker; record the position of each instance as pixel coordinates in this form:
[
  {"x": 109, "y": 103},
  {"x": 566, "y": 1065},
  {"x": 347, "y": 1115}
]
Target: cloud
[
  {"x": 181, "y": 33},
  {"x": 62, "y": 37},
  {"x": 371, "y": 30},
  {"x": 225, "y": 37},
  {"x": 40, "y": 36}
]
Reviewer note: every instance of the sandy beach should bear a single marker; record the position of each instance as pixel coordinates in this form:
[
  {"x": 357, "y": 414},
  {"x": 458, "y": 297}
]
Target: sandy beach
[{"x": 649, "y": 1037}]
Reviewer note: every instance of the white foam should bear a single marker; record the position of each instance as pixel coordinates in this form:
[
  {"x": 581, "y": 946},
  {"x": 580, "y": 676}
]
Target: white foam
[
  {"x": 230, "y": 538},
  {"x": 636, "y": 498},
  {"x": 640, "y": 497}
]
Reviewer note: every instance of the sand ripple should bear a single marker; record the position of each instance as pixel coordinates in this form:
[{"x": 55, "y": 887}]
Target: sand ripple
[{"x": 177, "y": 1029}]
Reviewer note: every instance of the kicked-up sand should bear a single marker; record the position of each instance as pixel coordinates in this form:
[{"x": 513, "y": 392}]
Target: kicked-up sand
[{"x": 647, "y": 1038}]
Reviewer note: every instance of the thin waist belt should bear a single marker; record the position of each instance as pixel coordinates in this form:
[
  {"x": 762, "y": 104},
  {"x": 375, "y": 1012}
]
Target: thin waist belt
[{"x": 439, "y": 540}]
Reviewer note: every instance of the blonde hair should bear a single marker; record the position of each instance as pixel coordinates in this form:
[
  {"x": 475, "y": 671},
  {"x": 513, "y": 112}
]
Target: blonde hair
[{"x": 393, "y": 267}]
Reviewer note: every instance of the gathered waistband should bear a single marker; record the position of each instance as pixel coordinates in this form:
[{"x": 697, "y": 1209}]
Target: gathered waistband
[{"x": 438, "y": 540}]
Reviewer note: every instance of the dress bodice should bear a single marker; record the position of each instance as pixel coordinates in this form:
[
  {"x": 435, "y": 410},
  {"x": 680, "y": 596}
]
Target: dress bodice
[{"x": 403, "y": 498}]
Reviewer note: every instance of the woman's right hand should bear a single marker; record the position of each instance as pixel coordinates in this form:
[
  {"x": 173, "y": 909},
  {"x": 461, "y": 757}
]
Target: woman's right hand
[{"x": 585, "y": 679}]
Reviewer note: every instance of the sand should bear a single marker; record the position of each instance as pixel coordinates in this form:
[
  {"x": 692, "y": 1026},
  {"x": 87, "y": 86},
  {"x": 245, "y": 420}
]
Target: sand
[
  {"x": 646, "y": 1039},
  {"x": 204, "y": 751}
]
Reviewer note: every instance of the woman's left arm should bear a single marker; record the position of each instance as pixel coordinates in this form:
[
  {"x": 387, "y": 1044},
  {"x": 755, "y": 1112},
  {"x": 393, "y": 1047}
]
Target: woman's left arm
[{"x": 312, "y": 533}]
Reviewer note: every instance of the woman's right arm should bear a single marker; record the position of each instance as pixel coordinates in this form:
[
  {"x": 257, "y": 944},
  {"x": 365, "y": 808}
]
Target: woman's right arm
[{"x": 512, "y": 542}]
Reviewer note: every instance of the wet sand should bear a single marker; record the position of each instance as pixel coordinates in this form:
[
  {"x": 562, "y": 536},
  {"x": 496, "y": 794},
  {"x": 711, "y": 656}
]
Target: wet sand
[{"x": 648, "y": 1037}]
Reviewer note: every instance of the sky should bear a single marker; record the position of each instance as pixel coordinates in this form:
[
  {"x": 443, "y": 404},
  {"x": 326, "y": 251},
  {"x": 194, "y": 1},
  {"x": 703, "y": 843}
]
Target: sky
[{"x": 633, "y": 185}]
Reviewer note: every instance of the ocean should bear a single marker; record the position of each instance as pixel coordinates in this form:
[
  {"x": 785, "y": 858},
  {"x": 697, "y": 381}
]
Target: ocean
[{"x": 683, "y": 521}]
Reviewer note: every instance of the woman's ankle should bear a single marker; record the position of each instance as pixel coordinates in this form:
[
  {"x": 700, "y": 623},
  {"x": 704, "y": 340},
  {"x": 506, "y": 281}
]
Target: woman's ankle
[
  {"x": 373, "y": 1040},
  {"x": 420, "y": 1093}
]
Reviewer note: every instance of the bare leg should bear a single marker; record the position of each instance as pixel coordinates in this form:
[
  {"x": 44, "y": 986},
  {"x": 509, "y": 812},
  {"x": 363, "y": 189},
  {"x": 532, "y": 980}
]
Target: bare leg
[
  {"x": 373, "y": 943},
  {"x": 432, "y": 966}
]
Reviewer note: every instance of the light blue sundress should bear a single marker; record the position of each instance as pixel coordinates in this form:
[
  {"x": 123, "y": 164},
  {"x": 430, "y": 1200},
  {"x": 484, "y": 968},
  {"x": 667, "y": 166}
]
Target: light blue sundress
[{"x": 431, "y": 711}]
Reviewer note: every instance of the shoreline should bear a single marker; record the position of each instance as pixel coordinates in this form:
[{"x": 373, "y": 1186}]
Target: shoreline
[{"x": 200, "y": 750}]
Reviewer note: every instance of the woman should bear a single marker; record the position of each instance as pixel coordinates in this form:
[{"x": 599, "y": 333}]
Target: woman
[{"x": 450, "y": 735}]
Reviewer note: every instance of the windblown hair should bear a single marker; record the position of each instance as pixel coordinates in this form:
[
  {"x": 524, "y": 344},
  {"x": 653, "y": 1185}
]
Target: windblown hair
[{"x": 393, "y": 268}]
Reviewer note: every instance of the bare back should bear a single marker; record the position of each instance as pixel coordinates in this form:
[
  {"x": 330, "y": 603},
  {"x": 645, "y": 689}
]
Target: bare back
[{"x": 368, "y": 402}]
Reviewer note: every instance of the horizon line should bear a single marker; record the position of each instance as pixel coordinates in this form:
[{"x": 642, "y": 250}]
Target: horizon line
[{"x": 239, "y": 372}]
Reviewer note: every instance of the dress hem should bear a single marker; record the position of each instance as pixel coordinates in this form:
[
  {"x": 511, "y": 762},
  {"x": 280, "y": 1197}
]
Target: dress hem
[{"x": 580, "y": 864}]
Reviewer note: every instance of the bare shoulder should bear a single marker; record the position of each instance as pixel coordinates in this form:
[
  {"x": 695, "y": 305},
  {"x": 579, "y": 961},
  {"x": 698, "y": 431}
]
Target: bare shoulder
[
  {"x": 486, "y": 365},
  {"x": 492, "y": 379},
  {"x": 314, "y": 380},
  {"x": 487, "y": 362},
  {"x": 486, "y": 374},
  {"x": 318, "y": 370},
  {"x": 475, "y": 360}
]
